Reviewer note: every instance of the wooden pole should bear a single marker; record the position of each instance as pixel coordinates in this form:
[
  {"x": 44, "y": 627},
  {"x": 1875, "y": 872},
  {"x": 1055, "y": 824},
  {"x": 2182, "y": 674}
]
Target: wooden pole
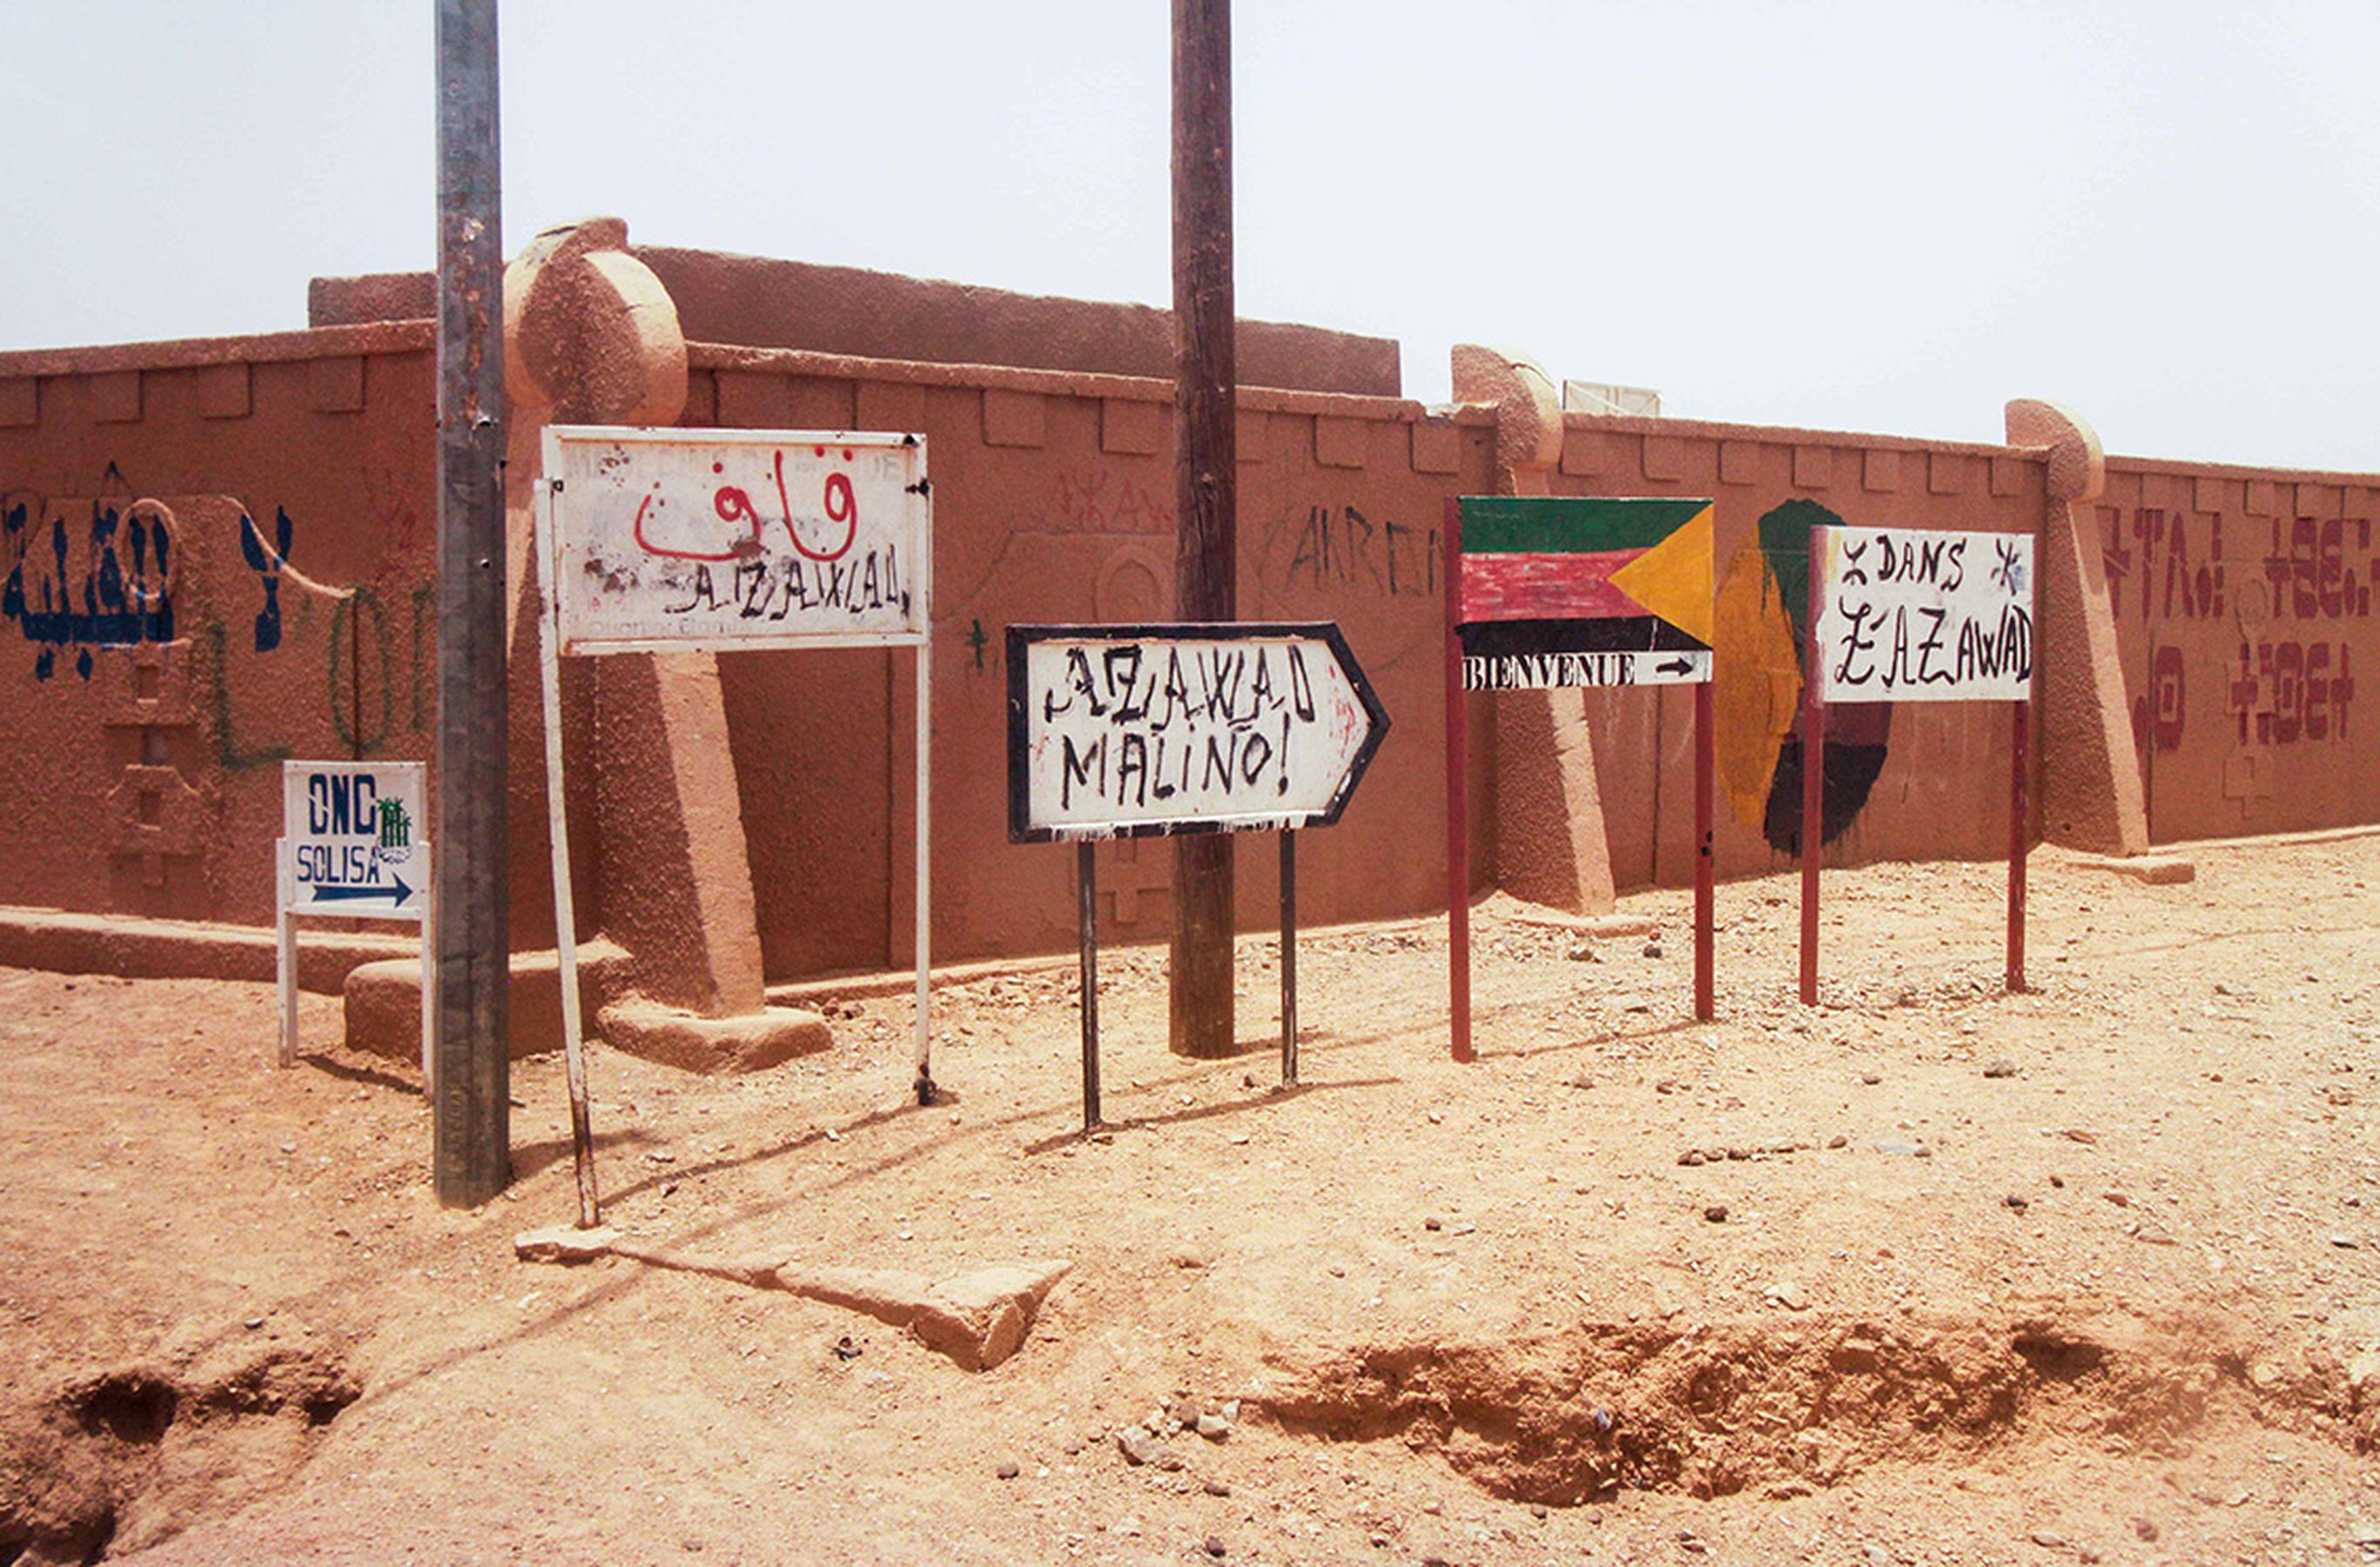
[
  {"x": 471, "y": 1158},
  {"x": 1813, "y": 776},
  {"x": 1288, "y": 959},
  {"x": 1706, "y": 871},
  {"x": 1457, "y": 792},
  {"x": 1206, "y": 475}
]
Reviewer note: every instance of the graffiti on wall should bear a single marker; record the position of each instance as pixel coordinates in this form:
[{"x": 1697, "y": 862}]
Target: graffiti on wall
[
  {"x": 2277, "y": 594},
  {"x": 1761, "y": 630},
  {"x": 103, "y": 581},
  {"x": 1339, "y": 548}
]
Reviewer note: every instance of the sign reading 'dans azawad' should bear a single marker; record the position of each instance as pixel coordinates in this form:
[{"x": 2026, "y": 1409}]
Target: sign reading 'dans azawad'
[
  {"x": 737, "y": 539},
  {"x": 355, "y": 839},
  {"x": 1919, "y": 614},
  {"x": 1133, "y": 731}
]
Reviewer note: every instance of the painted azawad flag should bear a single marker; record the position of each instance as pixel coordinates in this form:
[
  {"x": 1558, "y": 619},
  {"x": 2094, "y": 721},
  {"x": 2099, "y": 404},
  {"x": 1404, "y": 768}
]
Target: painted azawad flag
[{"x": 1594, "y": 591}]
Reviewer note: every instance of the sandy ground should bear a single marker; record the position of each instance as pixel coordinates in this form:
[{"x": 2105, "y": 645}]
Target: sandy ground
[{"x": 1928, "y": 1273}]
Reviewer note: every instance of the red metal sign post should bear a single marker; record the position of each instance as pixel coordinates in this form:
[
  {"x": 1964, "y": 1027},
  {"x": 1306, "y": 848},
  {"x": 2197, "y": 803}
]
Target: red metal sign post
[
  {"x": 1458, "y": 791},
  {"x": 1917, "y": 614},
  {"x": 1550, "y": 592},
  {"x": 1814, "y": 773}
]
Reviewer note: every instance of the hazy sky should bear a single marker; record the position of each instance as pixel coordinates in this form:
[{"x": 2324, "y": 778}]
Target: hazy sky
[{"x": 1877, "y": 216}]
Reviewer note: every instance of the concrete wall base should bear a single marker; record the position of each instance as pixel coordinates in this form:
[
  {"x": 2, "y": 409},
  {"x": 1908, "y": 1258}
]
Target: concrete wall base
[
  {"x": 753, "y": 1041},
  {"x": 178, "y": 949},
  {"x": 384, "y": 1000}
]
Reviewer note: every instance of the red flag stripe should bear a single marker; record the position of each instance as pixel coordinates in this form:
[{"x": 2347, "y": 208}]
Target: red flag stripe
[{"x": 1546, "y": 587}]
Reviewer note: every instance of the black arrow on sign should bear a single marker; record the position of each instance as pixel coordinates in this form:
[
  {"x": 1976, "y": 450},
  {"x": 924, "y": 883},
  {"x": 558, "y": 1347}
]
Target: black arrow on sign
[
  {"x": 1676, "y": 666},
  {"x": 394, "y": 895}
]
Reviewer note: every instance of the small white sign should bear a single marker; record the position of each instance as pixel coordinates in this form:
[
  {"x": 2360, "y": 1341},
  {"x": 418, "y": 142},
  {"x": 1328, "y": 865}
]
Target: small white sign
[
  {"x": 1553, "y": 671},
  {"x": 355, "y": 839},
  {"x": 1135, "y": 731},
  {"x": 1913, "y": 614},
  {"x": 676, "y": 538}
]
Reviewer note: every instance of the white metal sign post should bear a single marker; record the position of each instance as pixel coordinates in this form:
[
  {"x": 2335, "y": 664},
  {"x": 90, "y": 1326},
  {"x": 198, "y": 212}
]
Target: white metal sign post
[
  {"x": 1137, "y": 731},
  {"x": 1903, "y": 614},
  {"x": 684, "y": 540},
  {"x": 354, "y": 845}
]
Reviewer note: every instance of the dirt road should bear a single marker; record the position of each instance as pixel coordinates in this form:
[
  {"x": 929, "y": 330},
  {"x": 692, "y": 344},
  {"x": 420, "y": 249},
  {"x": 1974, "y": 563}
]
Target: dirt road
[{"x": 1928, "y": 1273}]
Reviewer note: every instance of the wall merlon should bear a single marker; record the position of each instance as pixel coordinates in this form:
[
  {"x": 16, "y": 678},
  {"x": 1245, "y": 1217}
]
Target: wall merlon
[
  {"x": 1880, "y": 472},
  {"x": 1014, "y": 418},
  {"x": 1129, "y": 427},
  {"x": 189, "y": 353},
  {"x": 1340, "y": 442},
  {"x": 223, "y": 391},
  {"x": 115, "y": 396},
  {"x": 21, "y": 402},
  {"x": 1437, "y": 446},
  {"x": 1582, "y": 453}
]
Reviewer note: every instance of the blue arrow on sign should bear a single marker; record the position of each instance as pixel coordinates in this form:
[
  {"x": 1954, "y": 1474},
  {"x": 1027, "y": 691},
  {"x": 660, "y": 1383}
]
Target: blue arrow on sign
[{"x": 394, "y": 895}]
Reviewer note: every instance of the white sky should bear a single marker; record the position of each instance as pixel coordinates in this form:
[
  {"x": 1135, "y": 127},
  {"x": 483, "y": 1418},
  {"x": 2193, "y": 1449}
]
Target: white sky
[{"x": 1865, "y": 214}]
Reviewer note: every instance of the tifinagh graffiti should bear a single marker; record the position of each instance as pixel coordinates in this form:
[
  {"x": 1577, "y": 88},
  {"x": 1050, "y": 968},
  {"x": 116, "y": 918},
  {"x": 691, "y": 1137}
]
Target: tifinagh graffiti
[
  {"x": 2188, "y": 580},
  {"x": 103, "y": 581},
  {"x": 1764, "y": 605}
]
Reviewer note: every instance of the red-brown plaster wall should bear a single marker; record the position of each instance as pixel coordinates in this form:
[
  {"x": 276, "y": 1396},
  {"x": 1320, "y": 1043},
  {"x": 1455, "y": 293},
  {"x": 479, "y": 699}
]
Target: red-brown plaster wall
[
  {"x": 2244, "y": 611},
  {"x": 1940, "y": 785},
  {"x": 760, "y": 302},
  {"x": 1052, "y": 502},
  {"x": 150, "y": 785}
]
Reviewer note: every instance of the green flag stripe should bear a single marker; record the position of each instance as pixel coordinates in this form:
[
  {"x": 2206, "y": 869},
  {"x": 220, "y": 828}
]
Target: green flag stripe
[{"x": 1496, "y": 524}]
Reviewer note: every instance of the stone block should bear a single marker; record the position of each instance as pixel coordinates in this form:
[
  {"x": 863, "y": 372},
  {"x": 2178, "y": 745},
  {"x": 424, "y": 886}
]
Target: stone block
[
  {"x": 1014, "y": 419},
  {"x": 1129, "y": 427}
]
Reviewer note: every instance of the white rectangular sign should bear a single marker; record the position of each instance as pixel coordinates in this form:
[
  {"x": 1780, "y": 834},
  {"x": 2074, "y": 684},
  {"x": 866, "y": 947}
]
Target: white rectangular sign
[
  {"x": 1918, "y": 614},
  {"x": 1554, "y": 672},
  {"x": 678, "y": 539},
  {"x": 355, "y": 839},
  {"x": 1130, "y": 731}
]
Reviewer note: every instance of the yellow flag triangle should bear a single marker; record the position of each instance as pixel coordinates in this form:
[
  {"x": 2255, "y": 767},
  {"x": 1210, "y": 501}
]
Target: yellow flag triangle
[{"x": 1672, "y": 579}]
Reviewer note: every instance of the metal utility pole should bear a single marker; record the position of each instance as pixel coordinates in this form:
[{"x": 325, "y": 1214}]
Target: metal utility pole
[
  {"x": 470, "y": 1047},
  {"x": 1206, "y": 478}
]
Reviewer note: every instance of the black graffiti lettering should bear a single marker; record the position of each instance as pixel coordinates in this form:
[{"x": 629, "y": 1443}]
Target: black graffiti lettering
[
  {"x": 1931, "y": 644},
  {"x": 1255, "y": 752},
  {"x": 755, "y": 585},
  {"x": 1301, "y": 686},
  {"x": 1857, "y": 646},
  {"x": 1122, "y": 665},
  {"x": 1075, "y": 767},
  {"x": 705, "y": 594},
  {"x": 1132, "y": 770},
  {"x": 1261, "y": 693}
]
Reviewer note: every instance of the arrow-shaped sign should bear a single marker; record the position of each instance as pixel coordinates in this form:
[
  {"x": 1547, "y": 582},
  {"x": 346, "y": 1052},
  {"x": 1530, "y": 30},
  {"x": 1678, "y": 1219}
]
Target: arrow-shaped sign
[
  {"x": 1133, "y": 731},
  {"x": 395, "y": 894}
]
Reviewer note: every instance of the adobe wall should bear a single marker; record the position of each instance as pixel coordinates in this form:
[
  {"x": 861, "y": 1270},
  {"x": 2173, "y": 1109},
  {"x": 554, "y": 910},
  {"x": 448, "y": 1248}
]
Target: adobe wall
[
  {"x": 2243, "y": 606},
  {"x": 145, "y": 717},
  {"x": 1904, "y": 782},
  {"x": 760, "y": 302},
  {"x": 1052, "y": 502},
  {"x": 158, "y": 663}
]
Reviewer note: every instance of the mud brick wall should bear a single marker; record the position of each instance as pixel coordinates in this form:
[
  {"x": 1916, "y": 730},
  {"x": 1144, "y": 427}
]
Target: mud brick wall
[{"x": 2243, "y": 606}]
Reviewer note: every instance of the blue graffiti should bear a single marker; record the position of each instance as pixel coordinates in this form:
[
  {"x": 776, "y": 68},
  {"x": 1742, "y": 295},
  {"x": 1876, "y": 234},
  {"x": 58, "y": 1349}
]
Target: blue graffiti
[
  {"x": 115, "y": 604},
  {"x": 267, "y": 564}
]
